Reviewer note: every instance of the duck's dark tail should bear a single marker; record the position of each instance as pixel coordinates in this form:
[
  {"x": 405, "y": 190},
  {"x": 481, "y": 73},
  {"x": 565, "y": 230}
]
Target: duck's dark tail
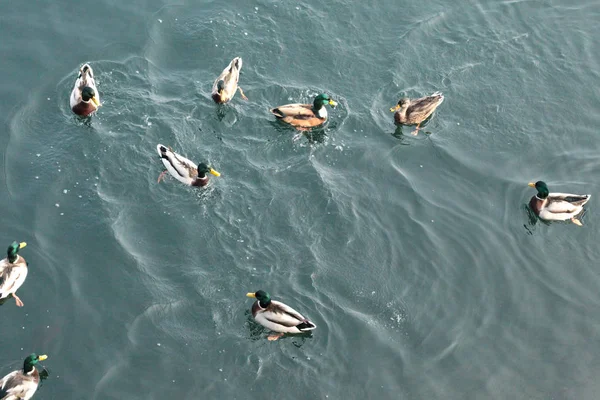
[{"x": 306, "y": 326}]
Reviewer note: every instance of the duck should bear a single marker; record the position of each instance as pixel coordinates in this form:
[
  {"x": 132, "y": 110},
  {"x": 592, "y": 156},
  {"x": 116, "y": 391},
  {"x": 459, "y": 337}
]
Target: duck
[
  {"x": 84, "y": 97},
  {"x": 226, "y": 84},
  {"x": 22, "y": 384},
  {"x": 414, "y": 112},
  {"x": 13, "y": 271},
  {"x": 183, "y": 169},
  {"x": 277, "y": 316},
  {"x": 305, "y": 116},
  {"x": 557, "y": 206}
]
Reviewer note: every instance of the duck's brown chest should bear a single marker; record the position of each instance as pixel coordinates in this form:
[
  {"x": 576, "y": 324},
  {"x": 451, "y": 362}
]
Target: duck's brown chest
[
  {"x": 535, "y": 204},
  {"x": 84, "y": 109}
]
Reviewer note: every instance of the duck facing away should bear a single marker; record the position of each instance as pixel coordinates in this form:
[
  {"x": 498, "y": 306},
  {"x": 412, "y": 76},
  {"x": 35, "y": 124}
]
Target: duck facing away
[
  {"x": 305, "y": 116},
  {"x": 278, "y": 317},
  {"x": 22, "y": 384},
  {"x": 84, "y": 97},
  {"x": 184, "y": 170},
  {"x": 226, "y": 84},
  {"x": 13, "y": 271},
  {"x": 557, "y": 206},
  {"x": 414, "y": 112}
]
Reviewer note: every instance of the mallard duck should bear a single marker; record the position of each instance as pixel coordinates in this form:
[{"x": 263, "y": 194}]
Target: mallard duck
[
  {"x": 413, "y": 112},
  {"x": 22, "y": 384},
  {"x": 182, "y": 169},
  {"x": 226, "y": 84},
  {"x": 84, "y": 97},
  {"x": 305, "y": 116},
  {"x": 277, "y": 316},
  {"x": 13, "y": 271},
  {"x": 557, "y": 206}
]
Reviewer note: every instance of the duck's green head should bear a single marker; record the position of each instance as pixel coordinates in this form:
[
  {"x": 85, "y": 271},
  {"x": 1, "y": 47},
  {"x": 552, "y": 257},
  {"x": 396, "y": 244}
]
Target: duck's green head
[
  {"x": 263, "y": 297},
  {"x": 88, "y": 93},
  {"x": 204, "y": 169},
  {"x": 13, "y": 250},
  {"x": 322, "y": 100},
  {"x": 541, "y": 187},
  {"x": 31, "y": 360}
]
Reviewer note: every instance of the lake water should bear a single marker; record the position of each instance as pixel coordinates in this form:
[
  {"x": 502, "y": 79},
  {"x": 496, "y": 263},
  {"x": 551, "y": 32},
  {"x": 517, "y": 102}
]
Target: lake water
[{"x": 416, "y": 257}]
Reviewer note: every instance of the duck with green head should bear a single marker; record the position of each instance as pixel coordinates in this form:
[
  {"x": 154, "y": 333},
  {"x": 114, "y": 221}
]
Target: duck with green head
[
  {"x": 184, "y": 169},
  {"x": 557, "y": 206},
  {"x": 84, "y": 98},
  {"x": 13, "y": 271},
  {"x": 277, "y": 316},
  {"x": 305, "y": 116},
  {"x": 22, "y": 384}
]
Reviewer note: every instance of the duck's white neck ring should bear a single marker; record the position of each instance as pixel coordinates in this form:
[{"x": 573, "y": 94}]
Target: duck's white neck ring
[{"x": 536, "y": 196}]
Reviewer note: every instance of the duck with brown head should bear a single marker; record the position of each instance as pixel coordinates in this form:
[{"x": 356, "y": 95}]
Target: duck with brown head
[
  {"x": 414, "y": 112},
  {"x": 226, "y": 84}
]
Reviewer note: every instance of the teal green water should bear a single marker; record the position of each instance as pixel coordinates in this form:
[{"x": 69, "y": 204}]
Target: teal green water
[{"x": 415, "y": 256}]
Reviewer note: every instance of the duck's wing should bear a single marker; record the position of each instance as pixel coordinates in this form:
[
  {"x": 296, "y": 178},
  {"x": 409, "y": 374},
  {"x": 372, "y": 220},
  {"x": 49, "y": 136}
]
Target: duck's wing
[
  {"x": 11, "y": 279},
  {"x": 420, "y": 109},
  {"x": 230, "y": 75},
  {"x": 566, "y": 202},
  {"x": 298, "y": 111},
  {"x": 284, "y": 315},
  {"x": 16, "y": 386},
  {"x": 180, "y": 167}
]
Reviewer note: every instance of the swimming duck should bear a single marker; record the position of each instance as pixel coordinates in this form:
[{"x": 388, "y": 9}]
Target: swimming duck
[
  {"x": 305, "y": 116},
  {"x": 413, "y": 112},
  {"x": 13, "y": 271},
  {"x": 557, "y": 206},
  {"x": 277, "y": 316},
  {"x": 226, "y": 84},
  {"x": 184, "y": 170},
  {"x": 84, "y": 97},
  {"x": 22, "y": 384}
]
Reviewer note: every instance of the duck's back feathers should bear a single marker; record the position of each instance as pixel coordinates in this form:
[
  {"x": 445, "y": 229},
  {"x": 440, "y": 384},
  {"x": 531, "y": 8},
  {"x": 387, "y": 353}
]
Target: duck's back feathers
[
  {"x": 181, "y": 168},
  {"x": 280, "y": 317},
  {"x": 17, "y": 385},
  {"x": 12, "y": 276},
  {"x": 230, "y": 77},
  {"x": 300, "y": 115},
  {"x": 84, "y": 79},
  {"x": 559, "y": 206},
  {"x": 419, "y": 109}
]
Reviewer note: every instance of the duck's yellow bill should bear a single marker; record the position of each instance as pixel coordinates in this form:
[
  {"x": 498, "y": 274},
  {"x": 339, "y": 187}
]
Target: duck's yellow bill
[
  {"x": 332, "y": 103},
  {"x": 22, "y": 244},
  {"x": 215, "y": 173},
  {"x": 531, "y": 184},
  {"x": 42, "y": 357},
  {"x": 395, "y": 108},
  {"x": 95, "y": 101},
  {"x": 251, "y": 295}
]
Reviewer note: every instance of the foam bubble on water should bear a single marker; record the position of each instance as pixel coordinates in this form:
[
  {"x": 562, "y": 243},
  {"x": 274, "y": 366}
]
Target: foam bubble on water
[
  {"x": 65, "y": 191},
  {"x": 57, "y": 205},
  {"x": 160, "y": 20}
]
